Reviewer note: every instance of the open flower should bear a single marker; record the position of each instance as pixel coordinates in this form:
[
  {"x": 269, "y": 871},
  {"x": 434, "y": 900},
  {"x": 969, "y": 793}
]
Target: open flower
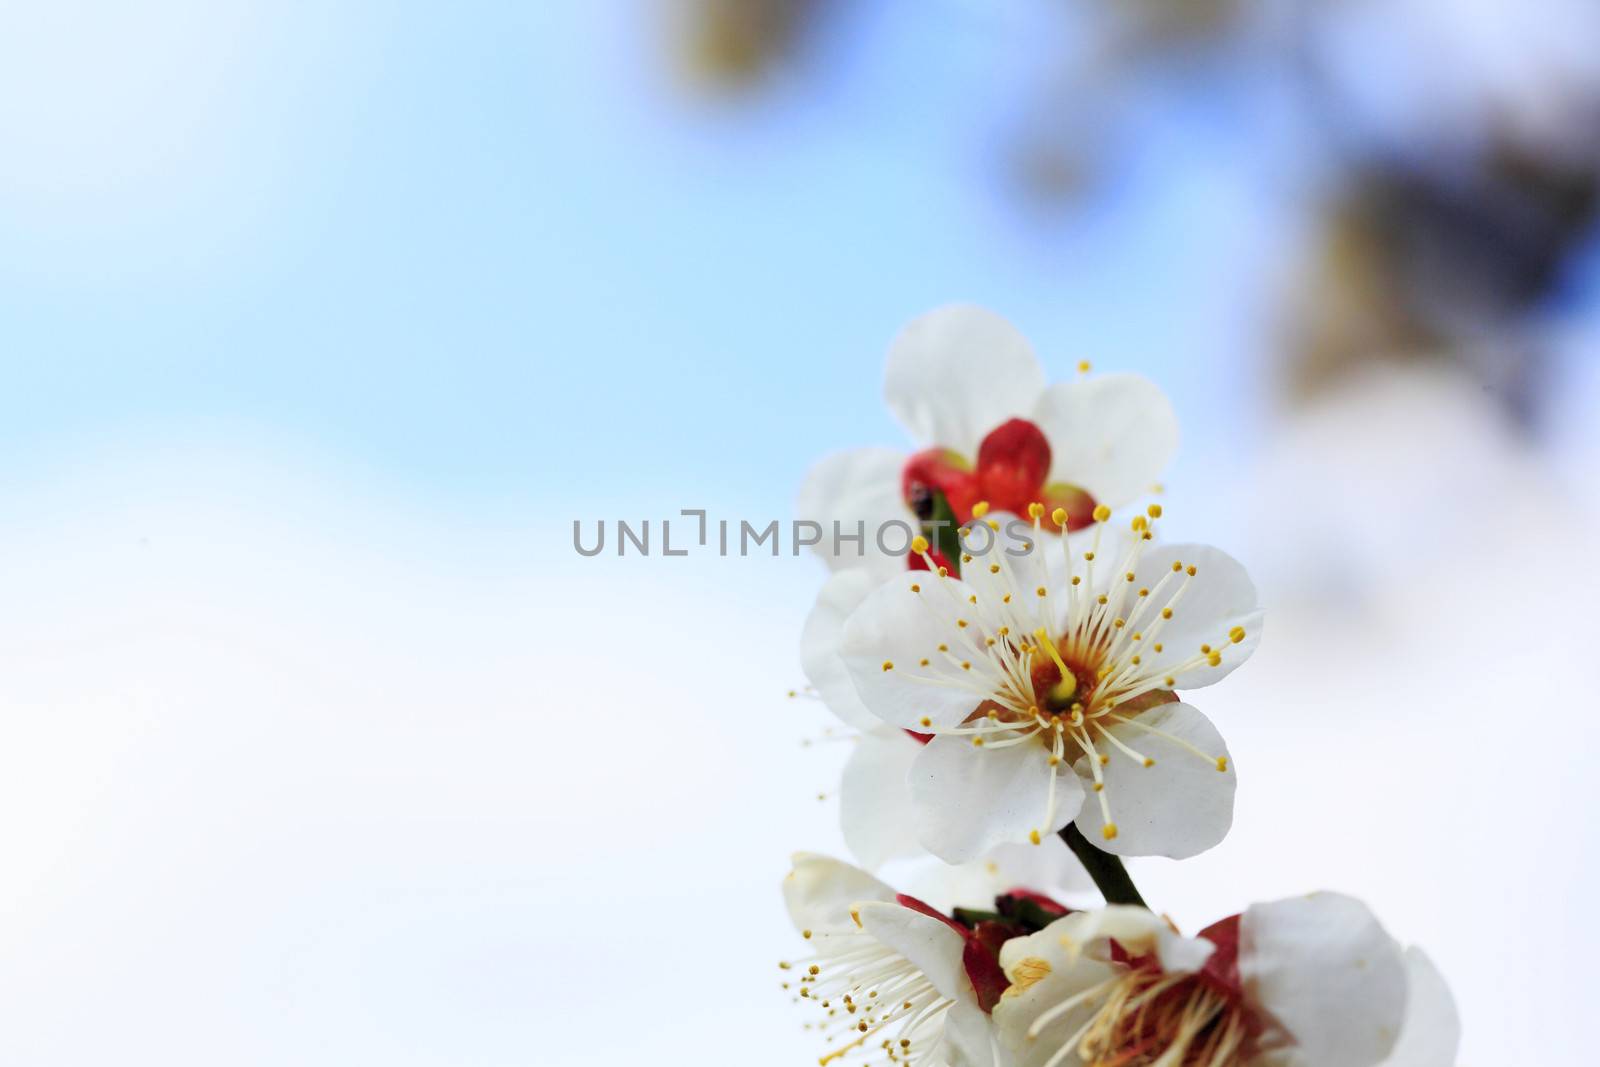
[
  {"x": 1306, "y": 982},
  {"x": 1047, "y": 676},
  {"x": 895, "y": 976},
  {"x": 968, "y": 388}
]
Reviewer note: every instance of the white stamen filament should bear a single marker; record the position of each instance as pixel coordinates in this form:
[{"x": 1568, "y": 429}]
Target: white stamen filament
[{"x": 865, "y": 988}]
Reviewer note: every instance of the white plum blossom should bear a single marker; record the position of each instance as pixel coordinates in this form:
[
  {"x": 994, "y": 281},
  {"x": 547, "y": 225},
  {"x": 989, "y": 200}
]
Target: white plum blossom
[
  {"x": 1045, "y": 675},
  {"x": 1311, "y": 981},
  {"x": 967, "y": 387},
  {"x": 891, "y": 977}
]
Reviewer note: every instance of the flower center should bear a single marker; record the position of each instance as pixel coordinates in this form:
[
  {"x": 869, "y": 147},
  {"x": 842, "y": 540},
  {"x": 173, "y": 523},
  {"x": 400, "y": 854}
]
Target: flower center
[
  {"x": 1175, "y": 1020},
  {"x": 1069, "y": 669}
]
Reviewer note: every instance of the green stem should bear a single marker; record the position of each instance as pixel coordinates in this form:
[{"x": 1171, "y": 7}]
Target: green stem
[{"x": 1109, "y": 875}]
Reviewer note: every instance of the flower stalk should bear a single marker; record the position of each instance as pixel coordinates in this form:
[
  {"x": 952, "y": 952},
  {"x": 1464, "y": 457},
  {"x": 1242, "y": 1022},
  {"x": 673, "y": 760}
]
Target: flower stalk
[{"x": 1110, "y": 876}]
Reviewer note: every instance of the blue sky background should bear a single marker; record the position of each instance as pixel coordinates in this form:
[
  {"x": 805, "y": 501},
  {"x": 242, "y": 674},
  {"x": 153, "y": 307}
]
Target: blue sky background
[{"x": 496, "y": 256}]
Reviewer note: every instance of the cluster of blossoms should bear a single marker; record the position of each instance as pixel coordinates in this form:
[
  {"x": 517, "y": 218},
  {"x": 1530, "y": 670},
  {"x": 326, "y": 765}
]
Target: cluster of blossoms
[{"x": 1015, "y": 680}]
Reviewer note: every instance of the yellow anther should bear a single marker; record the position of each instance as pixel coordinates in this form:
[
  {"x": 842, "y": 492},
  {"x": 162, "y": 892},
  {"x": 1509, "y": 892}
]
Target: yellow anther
[
  {"x": 944, "y": 648},
  {"x": 1083, "y": 366},
  {"x": 919, "y": 544},
  {"x": 1177, "y": 565},
  {"x": 1040, "y": 591},
  {"x": 1154, "y": 511},
  {"x": 1166, "y": 613},
  {"x": 994, "y": 524},
  {"x": 1059, "y": 516},
  {"x": 961, "y": 623},
  {"x": 966, "y": 557},
  {"x": 1140, "y": 524},
  {"x": 1148, "y": 762},
  {"x": 1035, "y": 510},
  {"x": 1169, "y": 681},
  {"x": 1099, "y": 787},
  {"x": 966, "y": 665},
  {"x": 925, "y": 721},
  {"x": 1190, "y": 570},
  {"x": 1033, "y": 835},
  {"x": 944, "y": 572},
  {"x": 1055, "y": 761},
  {"x": 1089, "y": 556},
  {"x": 1109, "y": 830},
  {"x": 888, "y": 665},
  {"x": 915, "y": 588},
  {"x": 1158, "y": 646},
  {"x": 977, "y": 742},
  {"x": 994, "y": 568},
  {"x": 973, "y": 599},
  {"x": 1105, "y": 758},
  {"x": 1236, "y": 634},
  {"x": 1076, "y": 580},
  {"x": 1222, "y": 763},
  {"x": 1101, "y": 513},
  {"x": 924, "y": 662},
  {"x": 980, "y": 509},
  {"x": 1215, "y": 659}
]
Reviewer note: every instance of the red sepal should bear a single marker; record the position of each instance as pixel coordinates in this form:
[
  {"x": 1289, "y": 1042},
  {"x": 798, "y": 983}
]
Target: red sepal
[
  {"x": 1221, "y": 970},
  {"x": 1013, "y": 462},
  {"x": 983, "y": 962},
  {"x": 939, "y": 469}
]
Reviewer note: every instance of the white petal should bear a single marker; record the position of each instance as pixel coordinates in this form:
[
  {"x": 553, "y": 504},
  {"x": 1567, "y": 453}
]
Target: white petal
[
  {"x": 971, "y": 799},
  {"x": 886, "y": 639},
  {"x": 860, "y": 491},
  {"x": 841, "y": 594},
  {"x": 1219, "y": 597},
  {"x": 1431, "y": 1032},
  {"x": 1112, "y": 434},
  {"x": 932, "y": 946},
  {"x": 1325, "y": 969},
  {"x": 956, "y": 373},
  {"x": 819, "y": 891},
  {"x": 970, "y": 1040},
  {"x": 875, "y": 809},
  {"x": 1178, "y": 807}
]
